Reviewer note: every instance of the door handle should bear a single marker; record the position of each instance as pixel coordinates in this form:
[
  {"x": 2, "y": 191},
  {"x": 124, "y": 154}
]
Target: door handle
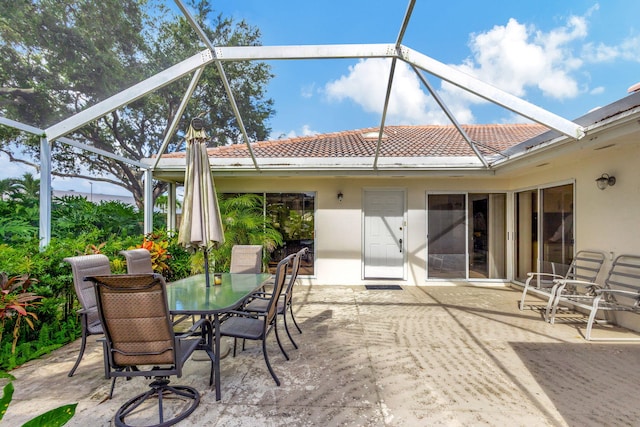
[{"x": 400, "y": 241}]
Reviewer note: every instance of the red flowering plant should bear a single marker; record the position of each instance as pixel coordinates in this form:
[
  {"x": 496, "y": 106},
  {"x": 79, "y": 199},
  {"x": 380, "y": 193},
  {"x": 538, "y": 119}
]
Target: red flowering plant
[{"x": 15, "y": 302}]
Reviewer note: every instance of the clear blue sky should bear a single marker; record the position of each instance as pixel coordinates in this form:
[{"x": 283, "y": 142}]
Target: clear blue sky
[{"x": 565, "y": 56}]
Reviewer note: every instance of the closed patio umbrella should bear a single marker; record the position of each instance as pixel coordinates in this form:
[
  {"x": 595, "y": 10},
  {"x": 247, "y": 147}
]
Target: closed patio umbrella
[{"x": 201, "y": 225}]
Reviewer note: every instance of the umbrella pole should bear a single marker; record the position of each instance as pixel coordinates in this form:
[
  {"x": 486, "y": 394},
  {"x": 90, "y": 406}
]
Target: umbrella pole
[{"x": 206, "y": 266}]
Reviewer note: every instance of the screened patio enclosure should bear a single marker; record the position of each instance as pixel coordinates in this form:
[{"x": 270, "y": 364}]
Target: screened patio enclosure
[{"x": 70, "y": 126}]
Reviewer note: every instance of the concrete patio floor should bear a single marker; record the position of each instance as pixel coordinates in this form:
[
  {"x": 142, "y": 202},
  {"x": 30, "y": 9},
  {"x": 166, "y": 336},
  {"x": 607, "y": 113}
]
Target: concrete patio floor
[{"x": 436, "y": 355}]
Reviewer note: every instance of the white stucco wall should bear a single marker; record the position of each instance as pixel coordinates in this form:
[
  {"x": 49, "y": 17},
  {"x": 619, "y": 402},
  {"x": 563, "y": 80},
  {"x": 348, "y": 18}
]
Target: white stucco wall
[
  {"x": 606, "y": 220},
  {"x": 338, "y": 241}
]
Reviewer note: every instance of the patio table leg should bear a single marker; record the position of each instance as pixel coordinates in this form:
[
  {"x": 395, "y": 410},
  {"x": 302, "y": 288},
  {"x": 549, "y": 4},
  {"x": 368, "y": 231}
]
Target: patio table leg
[{"x": 216, "y": 363}]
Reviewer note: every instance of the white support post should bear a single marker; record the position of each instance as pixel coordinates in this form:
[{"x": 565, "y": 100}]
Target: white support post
[
  {"x": 171, "y": 207},
  {"x": 45, "y": 193},
  {"x": 148, "y": 201}
]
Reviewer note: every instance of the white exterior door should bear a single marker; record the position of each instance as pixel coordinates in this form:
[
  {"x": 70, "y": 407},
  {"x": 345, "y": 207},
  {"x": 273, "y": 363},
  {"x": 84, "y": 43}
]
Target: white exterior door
[{"x": 384, "y": 234}]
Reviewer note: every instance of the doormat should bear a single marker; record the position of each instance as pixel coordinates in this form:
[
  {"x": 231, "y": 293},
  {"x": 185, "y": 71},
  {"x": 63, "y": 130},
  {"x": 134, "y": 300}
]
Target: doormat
[{"x": 383, "y": 287}]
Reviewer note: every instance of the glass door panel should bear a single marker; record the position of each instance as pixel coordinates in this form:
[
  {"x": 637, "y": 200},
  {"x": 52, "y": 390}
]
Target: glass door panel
[
  {"x": 526, "y": 233},
  {"x": 544, "y": 230},
  {"x": 487, "y": 236},
  {"x": 447, "y": 241},
  {"x": 557, "y": 229}
]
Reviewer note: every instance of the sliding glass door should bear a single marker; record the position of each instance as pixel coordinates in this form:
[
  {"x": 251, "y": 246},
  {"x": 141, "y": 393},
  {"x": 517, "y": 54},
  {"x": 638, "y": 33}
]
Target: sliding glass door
[
  {"x": 446, "y": 239},
  {"x": 466, "y": 236},
  {"x": 544, "y": 230}
]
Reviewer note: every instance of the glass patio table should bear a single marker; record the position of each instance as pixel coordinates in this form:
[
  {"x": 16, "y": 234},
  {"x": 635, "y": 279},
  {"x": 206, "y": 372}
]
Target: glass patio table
[{"x": 191, "y": 296}]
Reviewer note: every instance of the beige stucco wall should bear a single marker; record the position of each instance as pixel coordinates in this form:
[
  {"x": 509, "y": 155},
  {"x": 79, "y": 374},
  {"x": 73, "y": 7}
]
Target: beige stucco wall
[
  {"x": 338, "y": 241},
  {"x": 605, "y": 220}
]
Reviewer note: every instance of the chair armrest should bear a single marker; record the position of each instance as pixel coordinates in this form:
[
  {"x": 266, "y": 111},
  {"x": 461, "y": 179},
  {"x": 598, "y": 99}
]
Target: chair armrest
[
  {"x": 618, "y": 292},
  {"x": 196, "y": 328},
  {"x": 261, "y": 294},
  {"x": 576, "y": 282},
  {"x": 583, "y": 283},
  {"x": 549, "y": 275},
  {"x": 246, "y": 313}
]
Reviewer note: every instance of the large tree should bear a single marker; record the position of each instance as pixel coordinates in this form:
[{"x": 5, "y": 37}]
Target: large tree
[{"x": 59, "y": 57}]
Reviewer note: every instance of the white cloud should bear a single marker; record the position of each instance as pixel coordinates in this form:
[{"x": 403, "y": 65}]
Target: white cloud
[
  {"x": 514, "y": 57},
  {"x": 628, "y": 50},
  {"x": 366, "y": 85},
  {"x": 304, "y": 131},
  {"x": 308, "y": 90},
  {"x": 307, "y": 131}
]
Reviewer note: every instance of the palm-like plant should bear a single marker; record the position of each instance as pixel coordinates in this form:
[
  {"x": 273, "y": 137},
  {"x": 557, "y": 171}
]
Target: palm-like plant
[
  {"x": 8, "y": 188},
  {"x": 28, "y": 188},
  {"x": 244, "y": 223}
]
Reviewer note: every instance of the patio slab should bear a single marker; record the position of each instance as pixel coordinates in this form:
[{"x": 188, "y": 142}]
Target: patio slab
[{"x": 452, "y": 355}]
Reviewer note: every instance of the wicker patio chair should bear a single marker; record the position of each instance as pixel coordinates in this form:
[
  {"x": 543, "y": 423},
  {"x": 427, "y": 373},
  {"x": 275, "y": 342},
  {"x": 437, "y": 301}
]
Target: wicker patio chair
[
  {"x": 138, "y": 261},
  {"x": 256, "y": 325},
  {"x": 246, "y": 259},
  {"x": 140, "y": 341},
  {"x": 285, "y": 303},
  {"x": 82, "y": 266}
]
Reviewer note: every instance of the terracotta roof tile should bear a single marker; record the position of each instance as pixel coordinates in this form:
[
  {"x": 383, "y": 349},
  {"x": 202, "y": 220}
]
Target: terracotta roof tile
[{"x": 398, "y": 141}]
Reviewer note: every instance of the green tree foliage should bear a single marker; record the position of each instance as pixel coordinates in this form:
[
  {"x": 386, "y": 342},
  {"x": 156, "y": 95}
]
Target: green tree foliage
[
  {"x": 80, "y": 227},
  {"x": 55, "y": 61},
  {"x": 8, "y": 188}
]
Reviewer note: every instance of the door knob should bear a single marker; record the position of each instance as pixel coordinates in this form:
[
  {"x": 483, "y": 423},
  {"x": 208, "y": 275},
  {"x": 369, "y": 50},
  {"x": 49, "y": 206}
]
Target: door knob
[{"x": 400, "y": 241}]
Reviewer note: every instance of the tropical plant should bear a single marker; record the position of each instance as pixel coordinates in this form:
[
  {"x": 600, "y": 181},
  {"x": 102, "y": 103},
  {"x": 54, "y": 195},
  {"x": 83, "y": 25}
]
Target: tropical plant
[
  {"x": 28, "y": 188},
  {"x": 8, "y": 187},
  {"x": 299, "y": 227},
  {"x": 244, "y": 224},
  {"x": 15, "y": 302},
  {"x": 53, "y": 418},
  {"x": 157, "y": 245}
]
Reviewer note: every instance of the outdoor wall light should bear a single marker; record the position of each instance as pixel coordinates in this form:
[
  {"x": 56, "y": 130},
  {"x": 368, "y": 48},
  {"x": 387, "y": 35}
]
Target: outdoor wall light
[
  {"x": 605, "y": 180},
  {"x": 340, "y": 196}
]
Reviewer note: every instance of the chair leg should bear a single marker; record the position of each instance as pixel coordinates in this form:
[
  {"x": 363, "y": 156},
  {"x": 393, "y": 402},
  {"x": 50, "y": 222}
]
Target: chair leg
[
  {"x": 294, "y": 318},
  {"x": 286, "y": 328},
  {"x": 159, "y": 390},
  {"x": 82, "y": 347},
  {"x": 275, "y": 327},
  {"x": 113, "y": 386},
  {"x": 266, "y": 359}
]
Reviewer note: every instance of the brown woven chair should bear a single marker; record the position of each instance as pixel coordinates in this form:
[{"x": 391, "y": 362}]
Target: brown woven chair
[
  {"x": 285, "y": 303},
  {"x": 140, "y": 341},
  {"x": 138, "y": 261},
  {"x": 82, "y": 266},
  {"x": 246, "y": 259},
  {"x": 257, "y": 325}
]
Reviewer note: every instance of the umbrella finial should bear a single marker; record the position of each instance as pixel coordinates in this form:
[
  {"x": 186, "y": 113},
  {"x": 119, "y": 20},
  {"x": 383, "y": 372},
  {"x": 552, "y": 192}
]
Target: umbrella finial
[{"x": 197, "y": 123}]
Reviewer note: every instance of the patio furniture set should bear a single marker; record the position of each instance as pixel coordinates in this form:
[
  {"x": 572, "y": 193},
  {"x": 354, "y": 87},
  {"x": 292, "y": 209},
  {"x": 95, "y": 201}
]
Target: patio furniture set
[
  {"x": 137, "y": 314},
  {"x": 580, "y": 289}
]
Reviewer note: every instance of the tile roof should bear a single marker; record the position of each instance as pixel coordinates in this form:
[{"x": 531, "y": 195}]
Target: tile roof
[{"x": 398, "y": 141}]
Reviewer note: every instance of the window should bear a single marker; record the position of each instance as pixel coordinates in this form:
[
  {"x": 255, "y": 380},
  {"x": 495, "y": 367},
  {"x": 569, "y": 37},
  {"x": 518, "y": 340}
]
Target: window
[{"x": 293, "y": 215}]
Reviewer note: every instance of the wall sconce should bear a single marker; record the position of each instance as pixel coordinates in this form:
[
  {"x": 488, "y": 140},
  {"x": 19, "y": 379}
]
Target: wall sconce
[
  {"x": 605, "y": 180},
  {"x": 340, "y": 196}
]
